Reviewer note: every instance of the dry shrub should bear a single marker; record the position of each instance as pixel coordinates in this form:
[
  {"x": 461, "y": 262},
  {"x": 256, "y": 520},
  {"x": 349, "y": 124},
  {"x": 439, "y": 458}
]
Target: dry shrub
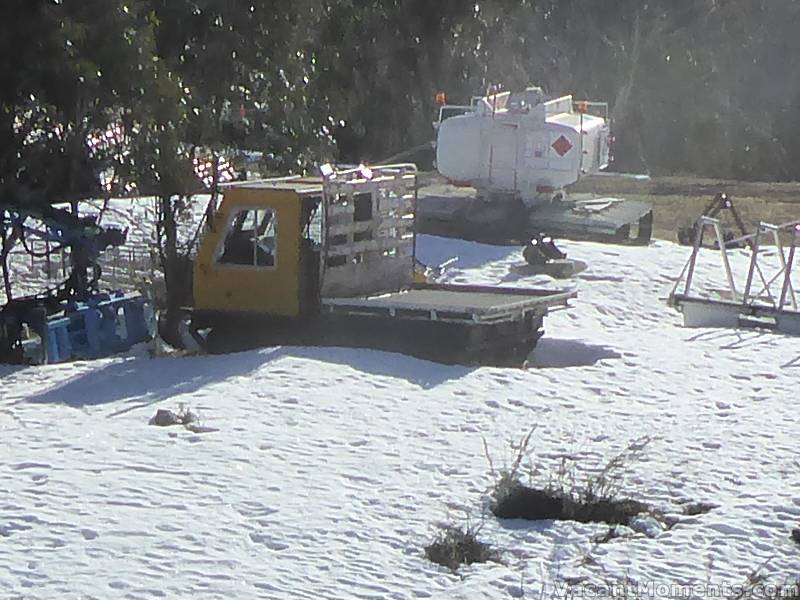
[
  {"x": 568, "y": 494},
  {"x": 457, "y": 545}
]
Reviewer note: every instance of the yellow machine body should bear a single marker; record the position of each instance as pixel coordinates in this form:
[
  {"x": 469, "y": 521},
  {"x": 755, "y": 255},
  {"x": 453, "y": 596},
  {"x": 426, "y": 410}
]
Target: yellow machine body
[{"x": 260, "y": 286}]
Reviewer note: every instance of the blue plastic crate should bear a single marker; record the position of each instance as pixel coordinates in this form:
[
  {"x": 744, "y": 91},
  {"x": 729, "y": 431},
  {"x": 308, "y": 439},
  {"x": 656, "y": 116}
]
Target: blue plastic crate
[{"x": 103, "y": 325}]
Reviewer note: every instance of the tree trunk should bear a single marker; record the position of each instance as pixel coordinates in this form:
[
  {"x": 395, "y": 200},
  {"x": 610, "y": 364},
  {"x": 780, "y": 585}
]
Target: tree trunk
[
  {"x": 624, "y": 94},
  {"x": 212, "y": 204},
  {"x": 6, "y": 243},
  {"x": 175, "y": 291}
]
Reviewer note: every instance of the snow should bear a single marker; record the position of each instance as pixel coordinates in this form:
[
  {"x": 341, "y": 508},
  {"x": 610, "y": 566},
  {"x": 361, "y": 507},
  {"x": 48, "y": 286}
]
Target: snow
[{"x": 333, "y": 467}]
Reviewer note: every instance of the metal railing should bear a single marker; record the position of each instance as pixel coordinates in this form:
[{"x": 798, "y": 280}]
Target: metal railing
[{"x": 761, "y": 288}]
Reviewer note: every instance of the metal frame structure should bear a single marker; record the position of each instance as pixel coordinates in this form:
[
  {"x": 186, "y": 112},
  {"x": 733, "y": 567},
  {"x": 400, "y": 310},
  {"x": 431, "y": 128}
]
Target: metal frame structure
[
  {"x": 74, "y": 320},
  {"x": 377, "y": 252},
  {"x": 767, "y": 299}
]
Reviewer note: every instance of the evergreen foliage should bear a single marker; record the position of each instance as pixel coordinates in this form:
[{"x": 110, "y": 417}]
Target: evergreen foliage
[{"x": 695, "y": 86}]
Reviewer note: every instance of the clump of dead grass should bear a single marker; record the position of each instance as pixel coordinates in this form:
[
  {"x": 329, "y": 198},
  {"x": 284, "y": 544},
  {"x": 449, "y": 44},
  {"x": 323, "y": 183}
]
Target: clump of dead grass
[
  {"x": 568, "y": 494},
  {"x": 456, "y": 545}
]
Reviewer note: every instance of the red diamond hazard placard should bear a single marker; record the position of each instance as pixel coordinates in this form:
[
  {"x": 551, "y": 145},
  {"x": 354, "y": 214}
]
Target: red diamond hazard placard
[{"x": 561, "y": 146}]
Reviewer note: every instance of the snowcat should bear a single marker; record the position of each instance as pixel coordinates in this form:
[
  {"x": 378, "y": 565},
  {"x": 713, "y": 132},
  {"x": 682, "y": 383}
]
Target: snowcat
[
  {"x": 330, "y": 261},
  {"x": 519, "y": 151}
]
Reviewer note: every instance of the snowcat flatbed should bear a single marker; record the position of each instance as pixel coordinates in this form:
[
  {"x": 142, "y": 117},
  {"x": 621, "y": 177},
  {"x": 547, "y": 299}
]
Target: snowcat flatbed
[
  {"x": 453, "y": 303},
  {"x": 447, "y": 323}
]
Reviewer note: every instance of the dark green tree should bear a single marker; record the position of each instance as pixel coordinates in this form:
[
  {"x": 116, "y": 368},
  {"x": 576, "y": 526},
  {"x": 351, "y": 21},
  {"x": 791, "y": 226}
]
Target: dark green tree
[
  {"x": 68, "y": 72},
  {"x": 246, "y": 82}
]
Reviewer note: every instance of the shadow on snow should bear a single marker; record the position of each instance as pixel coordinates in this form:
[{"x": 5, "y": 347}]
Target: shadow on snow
[
  {"x": 148, "y": 381},
  {"x": 145, "y": 381},
  {"x": 560, "y": 353},
  {"x": 423, "y": 373}
]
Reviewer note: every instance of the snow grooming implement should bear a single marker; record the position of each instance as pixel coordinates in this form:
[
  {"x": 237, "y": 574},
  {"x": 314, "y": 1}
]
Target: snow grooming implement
[
  {"x": 519, "y": 151},
  {"x": 76, "y": 321},
  {"x": 767, "y": 300},
  {"x": 329, "y": 260},
  {"x": 721, "y": 202}
]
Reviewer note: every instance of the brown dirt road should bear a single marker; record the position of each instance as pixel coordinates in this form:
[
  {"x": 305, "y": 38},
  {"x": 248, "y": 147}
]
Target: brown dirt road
[{"x": 677, "y": 201}]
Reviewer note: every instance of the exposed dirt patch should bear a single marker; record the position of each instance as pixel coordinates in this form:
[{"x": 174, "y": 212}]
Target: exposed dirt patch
[
  {"x": 523, "y": 502},
  {"x": 678, "y": 201}
]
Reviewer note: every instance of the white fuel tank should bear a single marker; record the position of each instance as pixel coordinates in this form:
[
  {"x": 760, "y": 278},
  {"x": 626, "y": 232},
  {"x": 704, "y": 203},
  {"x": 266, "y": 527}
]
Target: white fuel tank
[{"x": 519, "y": 143}]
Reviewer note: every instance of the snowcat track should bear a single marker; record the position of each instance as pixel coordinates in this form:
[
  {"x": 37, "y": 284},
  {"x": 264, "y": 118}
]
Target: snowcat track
[
  {"x": 501, "y": 344},
  {"x": 508, "y": 222}
]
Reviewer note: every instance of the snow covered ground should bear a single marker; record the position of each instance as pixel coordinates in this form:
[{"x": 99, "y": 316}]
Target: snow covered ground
[{"x": 332, "y": 468}]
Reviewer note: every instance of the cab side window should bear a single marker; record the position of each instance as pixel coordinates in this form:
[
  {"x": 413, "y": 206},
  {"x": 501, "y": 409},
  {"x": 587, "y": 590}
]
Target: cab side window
[{"x": 250, "y": 239}]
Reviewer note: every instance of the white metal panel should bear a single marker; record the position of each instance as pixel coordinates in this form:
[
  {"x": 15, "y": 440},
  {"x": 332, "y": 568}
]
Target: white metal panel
[
  {"x": 502, "y": 168},
  {"x": 460, "y": 152}
]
